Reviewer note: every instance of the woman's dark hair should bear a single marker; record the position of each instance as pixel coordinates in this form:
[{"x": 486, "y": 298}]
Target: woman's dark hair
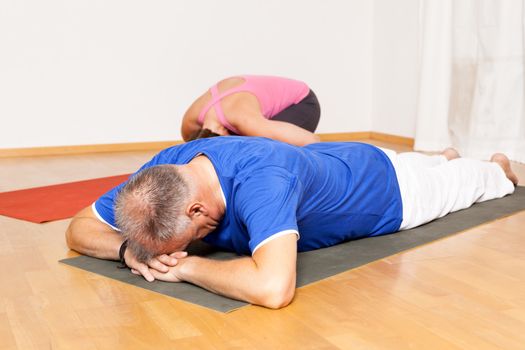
[{"x": 202, "y": 134}]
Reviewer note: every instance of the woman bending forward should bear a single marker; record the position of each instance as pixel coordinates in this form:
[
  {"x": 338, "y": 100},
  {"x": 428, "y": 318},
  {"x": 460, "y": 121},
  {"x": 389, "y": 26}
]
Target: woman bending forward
[{"x": 251, "y": 105}]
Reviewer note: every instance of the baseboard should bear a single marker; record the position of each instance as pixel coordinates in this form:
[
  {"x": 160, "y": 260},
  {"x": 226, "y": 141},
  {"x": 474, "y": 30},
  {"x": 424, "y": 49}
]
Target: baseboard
[
  {"x": 84, "y": 149},
  {"x": 156, "y": 146},
  {"x": 398, "y": 140},
  {"x": 367, "y": 135},
  {"x": 345, "y": 136}
]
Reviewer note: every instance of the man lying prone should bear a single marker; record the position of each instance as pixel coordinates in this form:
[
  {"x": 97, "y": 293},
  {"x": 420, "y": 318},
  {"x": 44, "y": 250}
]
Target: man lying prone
[{"x": 267, "y": 200}]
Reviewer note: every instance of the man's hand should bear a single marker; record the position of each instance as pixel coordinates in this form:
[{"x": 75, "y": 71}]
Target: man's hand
[
  {"x": 156, "y": 266},
  {"x": 88, "y": 235},
  {"x": 172, "y": 273}
]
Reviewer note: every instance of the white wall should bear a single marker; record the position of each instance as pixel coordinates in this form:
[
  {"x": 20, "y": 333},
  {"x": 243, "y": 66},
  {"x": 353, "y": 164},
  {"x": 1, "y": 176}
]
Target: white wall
[
  {"x": 395, "y": 71},
  {"x": 112, "y": 71}
]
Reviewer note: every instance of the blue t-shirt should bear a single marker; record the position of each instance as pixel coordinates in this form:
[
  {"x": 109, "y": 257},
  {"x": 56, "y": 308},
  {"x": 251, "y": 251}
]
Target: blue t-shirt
[{"x": 326, "y": 192}]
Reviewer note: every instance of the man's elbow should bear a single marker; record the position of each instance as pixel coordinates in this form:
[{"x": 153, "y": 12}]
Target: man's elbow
[
  {"x": 70, "y": 238},
  {"x": 277, "y": 301},
  {"x": 277, "y": 295},
  {"x": 72, "y": 234}
]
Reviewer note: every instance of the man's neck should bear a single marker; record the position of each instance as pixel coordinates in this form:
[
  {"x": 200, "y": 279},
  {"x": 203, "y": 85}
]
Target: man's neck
[{"x": 205, "y": 181}]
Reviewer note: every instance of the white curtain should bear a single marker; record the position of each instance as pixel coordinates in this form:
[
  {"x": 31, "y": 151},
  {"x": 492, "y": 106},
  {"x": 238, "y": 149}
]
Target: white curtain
[{"x": 471, "y": 65}]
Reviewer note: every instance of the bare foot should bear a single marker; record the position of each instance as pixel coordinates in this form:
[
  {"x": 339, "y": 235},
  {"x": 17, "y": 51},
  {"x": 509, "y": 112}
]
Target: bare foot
[
  {"x": 504, "y": 163},
  {"x": 450, "y": 153}
]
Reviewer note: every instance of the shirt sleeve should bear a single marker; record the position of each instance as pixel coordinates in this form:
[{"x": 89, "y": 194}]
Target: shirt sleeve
[
  {"x": 266, "y": 203},
  {"x": 103, "y": 207}
]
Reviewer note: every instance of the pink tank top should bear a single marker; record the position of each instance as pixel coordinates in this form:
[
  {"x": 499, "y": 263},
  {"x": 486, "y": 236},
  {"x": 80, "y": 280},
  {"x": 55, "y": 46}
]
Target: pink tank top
[{"x": 273, "y": 93}]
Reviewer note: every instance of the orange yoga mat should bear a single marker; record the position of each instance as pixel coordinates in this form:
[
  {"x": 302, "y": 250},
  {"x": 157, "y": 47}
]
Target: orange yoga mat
[{"x": 55, "y": 202}]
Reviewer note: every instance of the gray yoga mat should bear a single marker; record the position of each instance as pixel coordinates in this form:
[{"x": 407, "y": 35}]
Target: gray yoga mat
[{"x": 318, "y": 264}]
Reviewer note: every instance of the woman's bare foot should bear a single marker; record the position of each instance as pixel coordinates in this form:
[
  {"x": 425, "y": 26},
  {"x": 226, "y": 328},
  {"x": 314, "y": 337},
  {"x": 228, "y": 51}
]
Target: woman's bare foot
[
  {"x": 504, "y": 163},
  {"x": 450, "y": 153}
]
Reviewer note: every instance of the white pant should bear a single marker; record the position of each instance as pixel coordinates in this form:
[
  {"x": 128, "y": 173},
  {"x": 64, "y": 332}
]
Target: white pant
[{"x": 432, "y": 187}]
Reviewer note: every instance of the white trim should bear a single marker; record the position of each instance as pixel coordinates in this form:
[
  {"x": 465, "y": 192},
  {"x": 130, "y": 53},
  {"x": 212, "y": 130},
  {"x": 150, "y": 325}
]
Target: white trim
[
  {"x": 278, "y": 234},
  {"x": 100, "y": 217}
]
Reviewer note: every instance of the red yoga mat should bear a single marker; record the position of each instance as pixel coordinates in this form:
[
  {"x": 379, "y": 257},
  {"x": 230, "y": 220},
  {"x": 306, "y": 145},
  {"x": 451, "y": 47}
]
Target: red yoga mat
[{"x": 55, "y": 202}]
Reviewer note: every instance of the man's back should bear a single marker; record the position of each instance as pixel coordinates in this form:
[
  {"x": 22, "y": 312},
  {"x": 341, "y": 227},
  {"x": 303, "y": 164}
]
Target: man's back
[{"x": 327, "y": 192}]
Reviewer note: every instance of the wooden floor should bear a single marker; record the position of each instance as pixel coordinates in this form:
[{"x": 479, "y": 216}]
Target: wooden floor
[{"x": 463, "y": 292}]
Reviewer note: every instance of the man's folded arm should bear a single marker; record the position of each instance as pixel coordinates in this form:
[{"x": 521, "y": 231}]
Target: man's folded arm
[
  {"x": 88, "y": 235},
  {"x": 267, "y": 278}
]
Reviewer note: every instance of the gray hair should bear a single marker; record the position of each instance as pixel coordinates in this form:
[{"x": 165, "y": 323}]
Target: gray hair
[{"x": 149, "y": 209}]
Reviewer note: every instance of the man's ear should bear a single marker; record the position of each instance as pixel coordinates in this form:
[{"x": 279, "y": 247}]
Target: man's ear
[{"x": 196, "y": 209}]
